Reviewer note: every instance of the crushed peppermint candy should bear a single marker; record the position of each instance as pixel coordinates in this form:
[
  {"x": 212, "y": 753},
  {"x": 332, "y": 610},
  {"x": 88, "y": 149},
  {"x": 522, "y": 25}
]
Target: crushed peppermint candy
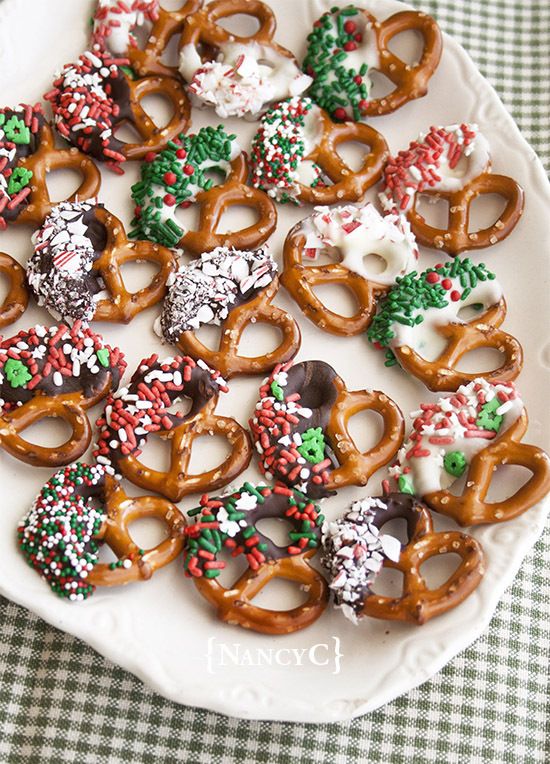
[
  {"x": 446, "y": 435},
  {"x": 287, "y": 135},
  {"x": 229, "y": 523},
  {"x": 174, "y": 177},
  {"x": 58, "y": 536},
  {"x": 56, "y": 360},
  {"x": 351, "y": 233},
  {"x": 59, "y": 271},
  {"x": 206, "y": 290},
  {"x": 244, "y": 78},
  {"x": 354, "y": 550},
  {"x": 19, "y": 138},
  {"x": 418, "y": 304},
  {"x": 89, "y": 100},
  {"x": 144, "y": 405},
  {"x": 114, "y": 22},
  {"x": 290, "y": 436},
  {"x": 341, "y": 51},
  {"x": 443, "y": 159}
]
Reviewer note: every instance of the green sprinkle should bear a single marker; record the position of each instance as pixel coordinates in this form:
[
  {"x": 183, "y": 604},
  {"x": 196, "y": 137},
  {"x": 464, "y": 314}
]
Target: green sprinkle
[{"x": 455, "y": 463}]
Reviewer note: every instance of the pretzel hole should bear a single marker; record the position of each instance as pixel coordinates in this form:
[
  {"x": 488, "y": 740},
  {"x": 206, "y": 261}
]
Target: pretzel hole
[
  {"x": 158, "y": 107},
  {"x": 106, "y": 555},
  {"x": 365, "y": 429},
  {"x": 507, "y": 480},
  {"x": 62, "y": 184},
  {"x": 374, "y": 264},
  {"x": 485, "y": 210},
  {"x": 433, "y": 209},
  {"x": 208, "y": 453},
  {"x": 353, "y": 154},
  {"x": 258, "y": 339},
  {"x": 276, "y": 529},
  {"x": 155, "y": 454},
  {"x": 471, "y": 312},
  {"x": 188, "y": 218},
  {"x": 241, "y": 24},
  {"x": 170, "y": 54},
  {"x": 480, "y": 360},
  {"x": 126, "y": 132},
  {"x": 388, "y": 583},
  {"x": 142, "y": 33},
  {"x": 281, "y": 594},
  {"x": 49, "y": 432},
  {"x": 210, "y": 335},
  {"x": 437, "y": 570},
  {"x": 338, "y": 299},
  {"x": 138, "y": 274},
  {"x": 407, "y": 45},
  {"x": 396, "y": 528},
  {"x": 4, "y": 287},
  {"x": 381, "y": 85},
  {"x": 237, "y": 217},
  {"x": 148, "y": 532},
  {"x": 233, "y": 570}
]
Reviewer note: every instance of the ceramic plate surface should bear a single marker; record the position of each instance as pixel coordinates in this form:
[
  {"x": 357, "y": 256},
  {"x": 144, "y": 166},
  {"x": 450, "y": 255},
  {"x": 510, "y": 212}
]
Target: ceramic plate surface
[{"x": 163, "y": 631}]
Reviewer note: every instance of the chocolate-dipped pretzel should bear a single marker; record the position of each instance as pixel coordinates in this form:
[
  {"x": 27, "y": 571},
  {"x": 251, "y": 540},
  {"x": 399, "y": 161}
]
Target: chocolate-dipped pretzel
[
  {"x": 451, "y": 163},
  {"x": 420, "y": 326},
  {"x": 27, "y": 155},
  {"x": 347, "y": 44},
  {"x": 300, "y": 428},
  {"x": 75, "y": 269},
  {"x": 17, "y": 298},
  {"x": 237, "y": 75},
  {"x": 295, "y": 155},
  {"x": 53, "y": 372},
  {"x": 356, "y": 550},
  {"x": 232, "y": 289},
  {"x": 141, "y": 410},
  {"x": 207, "y": 169},
  {"x": 95, "y": 96},
  {"x": 82, "y": 507},
  {"x": 470, "y": 434},
  {"x": 347, "y": 234},
  {"x": 229, "y": 523}
]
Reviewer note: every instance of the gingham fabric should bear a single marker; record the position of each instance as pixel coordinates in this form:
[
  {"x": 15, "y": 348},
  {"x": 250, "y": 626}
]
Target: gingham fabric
[{"x": 60, "y": 701}]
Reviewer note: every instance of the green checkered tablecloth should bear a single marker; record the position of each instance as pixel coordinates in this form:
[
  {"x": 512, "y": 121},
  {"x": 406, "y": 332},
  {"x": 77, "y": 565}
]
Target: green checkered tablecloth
[{"x": 60, "y": 701}]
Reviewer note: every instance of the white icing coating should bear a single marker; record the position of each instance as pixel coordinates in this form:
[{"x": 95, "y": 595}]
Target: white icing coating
[
  {"x": 430, "y": 163},
  {"x": 352, "y": 233},
  {"x": 115, "y": 21},
  {"x": 420, "y": 461},
  {"x": 243, "y": 80}
]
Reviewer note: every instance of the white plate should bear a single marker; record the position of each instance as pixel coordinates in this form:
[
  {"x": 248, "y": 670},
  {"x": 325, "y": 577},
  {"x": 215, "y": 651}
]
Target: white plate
[{"x": 160, "y": 631}]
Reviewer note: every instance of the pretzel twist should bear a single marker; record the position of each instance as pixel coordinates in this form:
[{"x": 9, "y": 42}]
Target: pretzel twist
[
  {"x": 226, "y": 358},
  {"x": 176, "y": 482},
  {"x": 121, "y": 511},
  {"x": 483, "y": 332},
  {"x": 457, "y": 238},
  {"x": 46, "y": 159},
  {"x": 201, "y": 27},
  {"x": 217, "y": 200},
  {"x": 356, "y": 467},
  {"x": 472, "y": 507},
  {"x": 17, "y": 299},
  {"x": 123, "y": 305},
  {"x": 168, "y": 24},
  {"x": 300, "y": 280},
  {"x": 411, "y": 81}
]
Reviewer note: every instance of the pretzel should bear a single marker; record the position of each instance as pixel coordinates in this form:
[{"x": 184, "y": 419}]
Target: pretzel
[
  {"x": 420, "y": 326},
  {"x": 90, "y": 105},
  {"x": 451, "y": 163},
  {"x": 234, "y": 289},
  {"x": 142, "y": 409},
  {"x": 355, "y": 551},
  {"x": 470, "y": 434},
  {"x": 300, "y": 429},
  {"x": 348, "y": 234},
  {"x": 347, "y": 43},
  {"x": 295, "y": 155},
  {"x": 75, "y": 270},
  {"x": 62, "y": 533},
  {"x": 53, "y": 373},
  {"x": 230, "y": 523},
  {"x": 27, "y": 155},
  {"x": 237, "y": 75},
  {"x": 179, "y": 176},
  {"x": 17, "y": 299}
]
